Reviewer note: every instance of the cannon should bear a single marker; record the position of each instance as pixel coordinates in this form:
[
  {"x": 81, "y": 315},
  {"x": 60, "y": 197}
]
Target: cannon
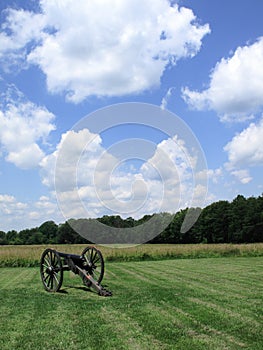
[{"x": 89, "y": 266}]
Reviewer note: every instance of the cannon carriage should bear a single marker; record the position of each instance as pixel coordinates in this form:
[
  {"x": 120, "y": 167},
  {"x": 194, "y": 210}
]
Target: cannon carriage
[{"x": 89, "y": 266}]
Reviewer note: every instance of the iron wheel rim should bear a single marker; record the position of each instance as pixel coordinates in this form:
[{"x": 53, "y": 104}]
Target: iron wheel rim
[
  {"x": 93, "y": 263},
  {"x": 51, "y": 270}
]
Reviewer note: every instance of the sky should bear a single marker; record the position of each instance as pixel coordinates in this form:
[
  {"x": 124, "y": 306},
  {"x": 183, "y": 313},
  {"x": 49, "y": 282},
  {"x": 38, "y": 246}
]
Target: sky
[{"x": 127, "y": 107}]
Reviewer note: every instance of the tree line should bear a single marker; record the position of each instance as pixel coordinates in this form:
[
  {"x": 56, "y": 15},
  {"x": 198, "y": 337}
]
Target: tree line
[{"x": 239, "y": 221}]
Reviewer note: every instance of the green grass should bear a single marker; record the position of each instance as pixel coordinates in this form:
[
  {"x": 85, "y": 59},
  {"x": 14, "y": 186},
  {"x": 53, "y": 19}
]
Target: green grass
[
  {"x": 169, "y": 304},
  {"x": 29, "y": 255}
]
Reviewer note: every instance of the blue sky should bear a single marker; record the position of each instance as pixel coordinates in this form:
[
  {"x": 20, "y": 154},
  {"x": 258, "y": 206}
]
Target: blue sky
[{"x": 63, "y": 64}]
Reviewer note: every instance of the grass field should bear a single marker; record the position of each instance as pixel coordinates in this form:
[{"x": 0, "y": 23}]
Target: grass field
[
  {"x": 169, "y": 304},
  {"x": 29, "y": 255}
]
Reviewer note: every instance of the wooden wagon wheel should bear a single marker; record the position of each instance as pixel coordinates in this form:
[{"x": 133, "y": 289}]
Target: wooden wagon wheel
[
  {"x": 93, "y": 263},
  {"x": 51, "y": 270}
]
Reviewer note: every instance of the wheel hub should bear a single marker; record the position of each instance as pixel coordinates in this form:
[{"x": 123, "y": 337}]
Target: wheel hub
[{"x": 50, "y": 270}]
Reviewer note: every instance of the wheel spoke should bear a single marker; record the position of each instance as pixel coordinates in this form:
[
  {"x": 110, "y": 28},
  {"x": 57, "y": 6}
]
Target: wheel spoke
[
  {"x": 89, "y": 257},
  {"x": 55, "y": 278},
  {"x": 96, "y": 273},
  {"x": 52, "y": 279},
  {"x": 93, "y": 256},
  {"x": 53, "y": 257},
  {"x": 47, "y": 261},
  {"x": 49, "y": 257},
  {"x": 95, "y": 261},
  {"x": 45, "y": 266},
  {"x": 51, "y": 270},
  {"x": 49, "y": 279},
  {"x": 46, "y": 278}
]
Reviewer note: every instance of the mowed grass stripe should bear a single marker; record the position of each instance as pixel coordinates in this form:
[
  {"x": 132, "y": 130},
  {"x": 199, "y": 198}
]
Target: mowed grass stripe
[
  {"x": 131, "y": 333},
  {"x": 177, "y": 279},
  {"x": 211, "y": 335},
  {"x": 214, "y": 284},
  {"x": 226, "y": 297},
  {"x": 154, "y": 305},
  {"x": 11, "y": 277},
  {"x": 246, "y": 317},
  {"x": 193, "y": 329},
  {"x": 236, "y": 330},
  {"x": 155, "y": 273},
  {"x": 216, "y": 273},
  {"x": 231, "y": 313},
  {"x": 134, "y": 273},
  {"x": 217, "y": 281}
]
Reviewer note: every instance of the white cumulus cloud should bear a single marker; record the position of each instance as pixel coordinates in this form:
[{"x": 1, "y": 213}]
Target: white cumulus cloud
[
  {"x": 236, "y": 85},
  {"x": 19, "y": 30},
  {"x": 18, "y": 215},
  {"x": 91, "y": 182},
  {"x": 166, "y": 98},
  {"x": 246, "y": 148},
  {"x": 102, "y": 47},
  {"x": 73, "y": 161},
  {"x": 10, "y": 205},
  {"x": 24, "y": 127},
  {"x": 242, "y": 175}
]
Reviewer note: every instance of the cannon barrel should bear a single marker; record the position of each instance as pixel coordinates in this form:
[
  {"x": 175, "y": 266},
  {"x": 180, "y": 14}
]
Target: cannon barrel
[{"x": 70, "y": 256}]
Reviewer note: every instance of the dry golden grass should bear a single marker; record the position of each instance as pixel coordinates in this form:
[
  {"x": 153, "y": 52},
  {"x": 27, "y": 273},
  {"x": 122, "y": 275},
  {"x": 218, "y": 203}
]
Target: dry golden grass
[{"x": 29, "y": 255}]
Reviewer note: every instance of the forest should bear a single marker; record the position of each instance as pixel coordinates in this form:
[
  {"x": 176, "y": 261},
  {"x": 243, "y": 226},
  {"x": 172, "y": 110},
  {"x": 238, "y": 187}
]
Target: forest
[{"x": 238, "y": 221}]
